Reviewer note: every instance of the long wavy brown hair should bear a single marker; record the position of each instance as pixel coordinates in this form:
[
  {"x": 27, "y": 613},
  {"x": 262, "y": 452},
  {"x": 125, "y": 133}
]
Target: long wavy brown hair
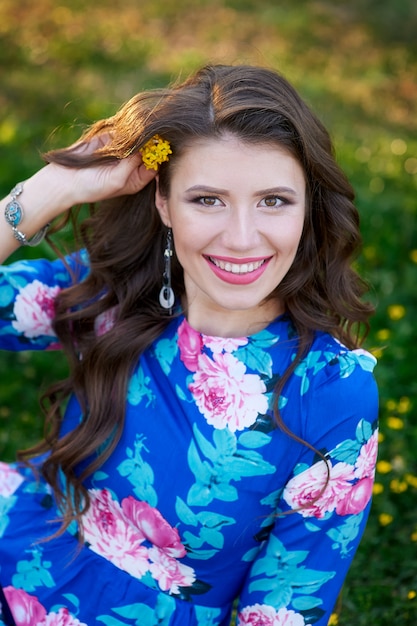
[{"x": 125, "y": 238}]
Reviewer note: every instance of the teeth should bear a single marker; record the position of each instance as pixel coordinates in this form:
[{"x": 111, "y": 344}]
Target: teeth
[{"x": 237, "y": 268}]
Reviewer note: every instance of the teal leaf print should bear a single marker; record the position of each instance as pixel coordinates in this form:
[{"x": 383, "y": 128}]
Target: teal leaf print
[
  {"x": 99, "y": 475},
  {"x": 207, "y": 616},
  {"x": 304, "y": 603},
  {"x": 34, "y": 573},
  {"x": 72, "y": 599},
  {"x": 255, "y": 359},
  {"x": 345, "y": 533},
  {"x": 180, "y": 393},
  {"x": 347, "y": 451},
  {"x": 222, "y": 463},
  {"x": 6, "y": 296},
  {"x": 6, "y": 504},
  {"x": 272, "y": 498},
  {"x": 349, "y": 360},
  {"x": 364, "y": 431},
  {"x": 294, "y": 578},
  {"x": 138, "y": 388},
  {"x": 184, "y": 513},
  {"x": 311, "y": 362},
  {"x": 139, "y": 473},
  {"x": 250, "y": 555},
  {"x": 253, "y": 439},
  {"x": 209, "y": 532},
  {"x": 165, "y": 351},
  {"x": 140, "y": 614},
  {"x": 264, "y": 339}
]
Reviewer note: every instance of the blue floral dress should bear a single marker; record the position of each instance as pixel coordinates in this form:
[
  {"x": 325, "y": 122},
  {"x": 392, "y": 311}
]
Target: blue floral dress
[{"x": 204, "y": 500}]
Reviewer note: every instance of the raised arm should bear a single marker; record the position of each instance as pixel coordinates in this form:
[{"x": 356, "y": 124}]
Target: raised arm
[{"x": 54, "y": 189}]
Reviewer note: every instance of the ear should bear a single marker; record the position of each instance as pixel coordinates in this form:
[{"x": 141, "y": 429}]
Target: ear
[{"x": 161, "y": 203}]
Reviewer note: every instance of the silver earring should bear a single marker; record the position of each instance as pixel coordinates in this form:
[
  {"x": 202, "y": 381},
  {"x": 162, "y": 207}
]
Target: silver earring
[{"x": 166, "y": 295}]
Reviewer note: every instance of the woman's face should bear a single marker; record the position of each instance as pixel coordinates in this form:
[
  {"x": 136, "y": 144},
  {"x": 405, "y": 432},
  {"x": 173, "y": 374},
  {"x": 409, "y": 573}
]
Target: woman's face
[{"x": 236, "y": 211}]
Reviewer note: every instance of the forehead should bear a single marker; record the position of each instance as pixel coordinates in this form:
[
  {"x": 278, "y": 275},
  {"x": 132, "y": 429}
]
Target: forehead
[{"x": 230, "y": 160}]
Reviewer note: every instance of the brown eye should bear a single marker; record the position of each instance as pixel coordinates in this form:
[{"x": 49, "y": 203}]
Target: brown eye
[
  {"x": 208, "y": 200},
  {"x": 272, "y": 202}
]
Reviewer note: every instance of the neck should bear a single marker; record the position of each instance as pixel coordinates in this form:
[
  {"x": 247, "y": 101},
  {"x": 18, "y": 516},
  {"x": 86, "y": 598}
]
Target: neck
[{"x": 224, "y": 323}]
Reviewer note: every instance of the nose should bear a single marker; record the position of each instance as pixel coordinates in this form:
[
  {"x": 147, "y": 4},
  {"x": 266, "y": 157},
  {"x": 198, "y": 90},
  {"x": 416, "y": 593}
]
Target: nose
[{"x": 241, "y": 231}]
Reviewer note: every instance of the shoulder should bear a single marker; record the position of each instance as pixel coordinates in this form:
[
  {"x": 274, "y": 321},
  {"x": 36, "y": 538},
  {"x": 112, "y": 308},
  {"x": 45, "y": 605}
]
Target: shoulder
[
  {"x": 329, "y": 361},
  {"x": 337, "y": 389}
]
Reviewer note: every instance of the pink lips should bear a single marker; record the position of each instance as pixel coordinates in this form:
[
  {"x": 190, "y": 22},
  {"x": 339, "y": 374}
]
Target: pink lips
[{"x": 238, "y": 279}]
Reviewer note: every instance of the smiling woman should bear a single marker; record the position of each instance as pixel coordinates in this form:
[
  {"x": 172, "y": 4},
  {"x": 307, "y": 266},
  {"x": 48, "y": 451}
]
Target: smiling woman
[{"x": 216, "y": 437}]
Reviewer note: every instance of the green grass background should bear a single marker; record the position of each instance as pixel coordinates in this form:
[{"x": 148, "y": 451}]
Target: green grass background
[{"x": 65, "y": 64}]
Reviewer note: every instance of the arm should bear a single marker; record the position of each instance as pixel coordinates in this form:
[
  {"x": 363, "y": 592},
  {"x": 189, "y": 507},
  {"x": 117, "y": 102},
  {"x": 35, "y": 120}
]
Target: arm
[
  {"x": 54, "y": 189},
  {"x": 297, "y": 575},
  {"x": 28, "y": 289}
]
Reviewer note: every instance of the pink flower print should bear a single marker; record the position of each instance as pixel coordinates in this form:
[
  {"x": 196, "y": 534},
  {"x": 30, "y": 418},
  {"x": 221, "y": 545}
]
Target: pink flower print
[
  {"x": 190, "y": 344},
  {"x": 289, "y": 618},
  {"x": 356, "y": 499},
  {"x": 264, "y": 615},
  {"x": 365, "y": 463},
  {"x": 62, "y": 618},
  {"x": 10, "y": 480},
  {"x": 26, "y": 609},
  {"x": 225, "y": 394},
  {"x": 112, "y": 536},
  {"x": 304, "y": 491},
  {"x": 224, "y": 344},
  {"x": 153, "y": 526},
  {"x": 105, "y": 321},
  {"x": 34, "y": 309},
  {"x": 257, "y": 615},
  {"x": 170, "y": 573}
]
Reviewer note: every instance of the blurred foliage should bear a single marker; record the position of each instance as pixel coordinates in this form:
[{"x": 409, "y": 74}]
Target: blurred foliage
[{"x": 66, "y": 63}]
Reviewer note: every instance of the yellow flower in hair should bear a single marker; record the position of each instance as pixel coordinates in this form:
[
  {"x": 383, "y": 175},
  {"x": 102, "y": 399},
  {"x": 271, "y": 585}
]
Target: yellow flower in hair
[{"x": 154, "y": 152}]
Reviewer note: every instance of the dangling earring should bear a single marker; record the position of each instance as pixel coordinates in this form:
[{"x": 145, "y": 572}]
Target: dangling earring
[{"x": 166, "y": 295}]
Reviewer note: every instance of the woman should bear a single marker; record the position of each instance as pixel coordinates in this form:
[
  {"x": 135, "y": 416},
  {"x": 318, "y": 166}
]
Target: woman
[{"x": 219, "y": 436}]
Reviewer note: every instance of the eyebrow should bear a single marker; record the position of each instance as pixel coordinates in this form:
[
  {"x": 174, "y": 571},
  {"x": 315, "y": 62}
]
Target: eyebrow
[{"x": 261, "y": 192}]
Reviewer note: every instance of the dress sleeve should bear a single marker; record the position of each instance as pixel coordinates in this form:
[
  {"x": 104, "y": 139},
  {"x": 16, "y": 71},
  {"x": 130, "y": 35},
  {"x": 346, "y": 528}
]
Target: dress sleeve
[
  {"x": 27, "y": 294},
  {"x": 321, "y": 512}
]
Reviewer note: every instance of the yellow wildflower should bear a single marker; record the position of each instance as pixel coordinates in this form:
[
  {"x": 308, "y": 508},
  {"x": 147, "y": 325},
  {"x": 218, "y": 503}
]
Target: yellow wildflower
[
  {"x": 412, "y": 480},
  {"x": 404, "y": 405},
  {"x": 383, "y": 334},
  {"x": 381, "y": 437},
  {"x": 385, "y": 519},
  {"x": 398, "y": 486},
  {"x": 154, "y": 152},
  {"x": 413, "y": 536},
  {"x": 334, "y": 620},
  {"x": 396, "y": 312},
  {"x": 391, "y": 405},
  {"x": 377, "y": 489},
  {"x": 396, "y": 423},
  {"x": 413, "y": 256},
  {"x": 411, "y": 594},
  {"x": 383, "y": 467}
]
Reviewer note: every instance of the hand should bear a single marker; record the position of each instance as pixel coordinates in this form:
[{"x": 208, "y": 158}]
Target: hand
[{"x": 92, "y": 184}]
